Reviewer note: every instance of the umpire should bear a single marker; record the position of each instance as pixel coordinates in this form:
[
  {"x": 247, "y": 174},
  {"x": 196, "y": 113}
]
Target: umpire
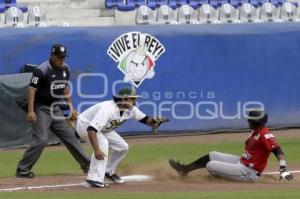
[{"x": 48, "y": 85}]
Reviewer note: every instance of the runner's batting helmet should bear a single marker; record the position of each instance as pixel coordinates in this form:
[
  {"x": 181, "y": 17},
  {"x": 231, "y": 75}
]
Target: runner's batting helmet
[{"x": 257, "y": 117}]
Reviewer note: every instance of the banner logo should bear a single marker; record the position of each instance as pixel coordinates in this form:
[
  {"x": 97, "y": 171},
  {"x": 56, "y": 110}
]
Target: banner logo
[{"x": 136, "y": 54}]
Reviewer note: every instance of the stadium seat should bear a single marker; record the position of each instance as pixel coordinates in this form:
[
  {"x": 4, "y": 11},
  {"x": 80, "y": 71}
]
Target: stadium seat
[
  {"x": 238, "y": 3},
  {"x": 145, "y": 15},
  {"x": 166, "y": 15},
  {"x": 2, "y": 8},
  {"x": 214, "y": 3},
  {"x": 277, "y": 2},
  {"x": 288, "y": 12},
  {"x": 269, "y": 13},
  {"x": 176, "y": 3},
  {"x": 207, "y": 14},
  {"x": 228, "y": 14},
  {"x": 13, "y": 3},
  {"x": 150, "y": 3},
  {"x": 36, "y": 17},
  {"x": 162, "y": 2},
  {"x": 196, "y": 3},
  {"x": 217, "y": 3},
  {"x": 248, "y": 13},
  {"x": 140, "y": 3},
  {"x": 14, "y": 17},
  {"x": 221, "y": 2},
  {"x": 181, "y": 2},
  {"x": 193, "y": 3},
  {"x": 111, "y": 3},
  {"x": 126, "y": 5},
  {"x": 172, "y": 4},
  {"x": 187, "y": 15},
  {"x": 258, "y": 3}
]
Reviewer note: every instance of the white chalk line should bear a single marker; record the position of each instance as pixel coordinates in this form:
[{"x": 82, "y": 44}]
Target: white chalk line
[
  {"x": 132, "y": 178},
  {"x": 277, "y": 172},
  {"x": 40, "y": 187}
]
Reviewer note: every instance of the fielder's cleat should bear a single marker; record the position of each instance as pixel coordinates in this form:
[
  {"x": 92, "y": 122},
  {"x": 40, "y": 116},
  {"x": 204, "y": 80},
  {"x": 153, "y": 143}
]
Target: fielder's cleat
[
  {"x": 95, "y": 184},
  {"x": 24, "y": 174},
  {"x": 180, "y": 168},
  {"x": 115, "y": 178}
]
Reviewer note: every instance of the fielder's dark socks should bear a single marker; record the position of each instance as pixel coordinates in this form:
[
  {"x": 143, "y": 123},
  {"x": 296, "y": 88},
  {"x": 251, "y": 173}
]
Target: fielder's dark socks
[{"x": 198, "y": 164}]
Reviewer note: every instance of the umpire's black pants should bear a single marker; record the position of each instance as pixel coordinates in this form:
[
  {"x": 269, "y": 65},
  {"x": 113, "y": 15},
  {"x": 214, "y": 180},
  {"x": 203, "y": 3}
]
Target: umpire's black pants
[{"x": 40, "y": 138}]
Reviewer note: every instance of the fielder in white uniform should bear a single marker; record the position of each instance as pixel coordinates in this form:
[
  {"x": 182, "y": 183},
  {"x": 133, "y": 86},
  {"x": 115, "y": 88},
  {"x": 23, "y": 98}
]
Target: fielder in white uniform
[{"x": 98, "y": 123}]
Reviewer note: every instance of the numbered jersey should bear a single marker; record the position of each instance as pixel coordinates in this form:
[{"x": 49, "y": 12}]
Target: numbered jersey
[
  {"x": 50, "y": 83},
  {"x": 105, "y": 116},
  {"x": 258, "y": 148}
]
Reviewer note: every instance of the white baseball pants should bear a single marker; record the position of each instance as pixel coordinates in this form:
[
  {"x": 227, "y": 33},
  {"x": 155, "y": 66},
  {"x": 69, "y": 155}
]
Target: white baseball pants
[{"x": 108, "y": 142}]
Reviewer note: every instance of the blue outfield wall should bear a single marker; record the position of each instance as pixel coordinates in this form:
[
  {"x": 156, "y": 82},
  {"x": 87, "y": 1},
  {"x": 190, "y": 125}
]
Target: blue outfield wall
[{"x": 205, "y": 71}]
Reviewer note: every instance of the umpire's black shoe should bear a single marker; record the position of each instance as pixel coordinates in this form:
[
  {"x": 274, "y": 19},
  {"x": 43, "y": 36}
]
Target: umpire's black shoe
[
  {"x": 115, "y": 178},
  {"x": 180, "y": 168},
  {"x": 24, "y": 174}
]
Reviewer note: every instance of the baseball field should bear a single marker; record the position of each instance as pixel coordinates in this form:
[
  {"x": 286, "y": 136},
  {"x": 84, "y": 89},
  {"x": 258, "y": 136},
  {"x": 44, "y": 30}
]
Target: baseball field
[{"x": 149, "y": 156}]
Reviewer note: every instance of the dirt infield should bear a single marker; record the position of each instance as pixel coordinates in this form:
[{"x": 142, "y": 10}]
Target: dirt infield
[{"x": 166, "y": 180}]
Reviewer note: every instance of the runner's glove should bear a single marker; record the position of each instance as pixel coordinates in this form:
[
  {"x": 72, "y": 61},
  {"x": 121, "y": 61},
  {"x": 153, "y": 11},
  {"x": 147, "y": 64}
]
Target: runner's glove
[{"x": 284, "y": 174}]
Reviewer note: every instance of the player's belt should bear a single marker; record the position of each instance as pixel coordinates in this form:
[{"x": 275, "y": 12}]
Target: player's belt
[{"x": 257, "y": 173}]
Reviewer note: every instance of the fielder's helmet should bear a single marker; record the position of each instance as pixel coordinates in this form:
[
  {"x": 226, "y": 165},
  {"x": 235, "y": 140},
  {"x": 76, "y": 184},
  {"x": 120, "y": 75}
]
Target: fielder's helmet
[
  {"x": 257, "y": 117},
  {"x": 125, "y": 93}
]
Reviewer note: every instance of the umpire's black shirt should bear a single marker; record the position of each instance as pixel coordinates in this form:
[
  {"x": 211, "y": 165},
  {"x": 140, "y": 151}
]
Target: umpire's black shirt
[{"x": 50, "y": 82}]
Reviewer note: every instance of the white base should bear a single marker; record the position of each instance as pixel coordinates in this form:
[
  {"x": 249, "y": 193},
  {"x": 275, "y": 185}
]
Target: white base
[
  {"x": 137, "y": 178},
  {"x": 133, "y": 178}
]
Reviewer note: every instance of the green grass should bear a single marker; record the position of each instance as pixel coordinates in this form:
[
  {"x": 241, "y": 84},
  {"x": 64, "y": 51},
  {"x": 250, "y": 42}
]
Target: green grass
[
  {"x": 60, "y": 162},
  {"x": 275, "y": 194},
  {"x": 51, "y": 162}
]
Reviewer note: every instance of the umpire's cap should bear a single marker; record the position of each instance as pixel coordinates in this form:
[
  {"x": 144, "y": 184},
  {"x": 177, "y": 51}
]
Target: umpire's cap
[
  {"x": 257, "y": 117},
  {"x": 125, "y": 93},
  {"x": 59, "y": 50}
]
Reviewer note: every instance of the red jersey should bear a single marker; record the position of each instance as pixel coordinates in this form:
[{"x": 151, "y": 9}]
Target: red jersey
[{"x": 258, "y": 148}]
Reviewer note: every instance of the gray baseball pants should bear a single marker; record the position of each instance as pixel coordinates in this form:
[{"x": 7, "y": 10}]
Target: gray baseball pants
[
  {"x": 40, "y": 138},
  {"x": 229, "y": 167}
]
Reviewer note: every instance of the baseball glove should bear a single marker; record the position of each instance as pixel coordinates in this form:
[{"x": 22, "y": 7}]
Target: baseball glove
[
  {"x": 71, "y": 121},
  {"x": 157, "y": 122}
]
